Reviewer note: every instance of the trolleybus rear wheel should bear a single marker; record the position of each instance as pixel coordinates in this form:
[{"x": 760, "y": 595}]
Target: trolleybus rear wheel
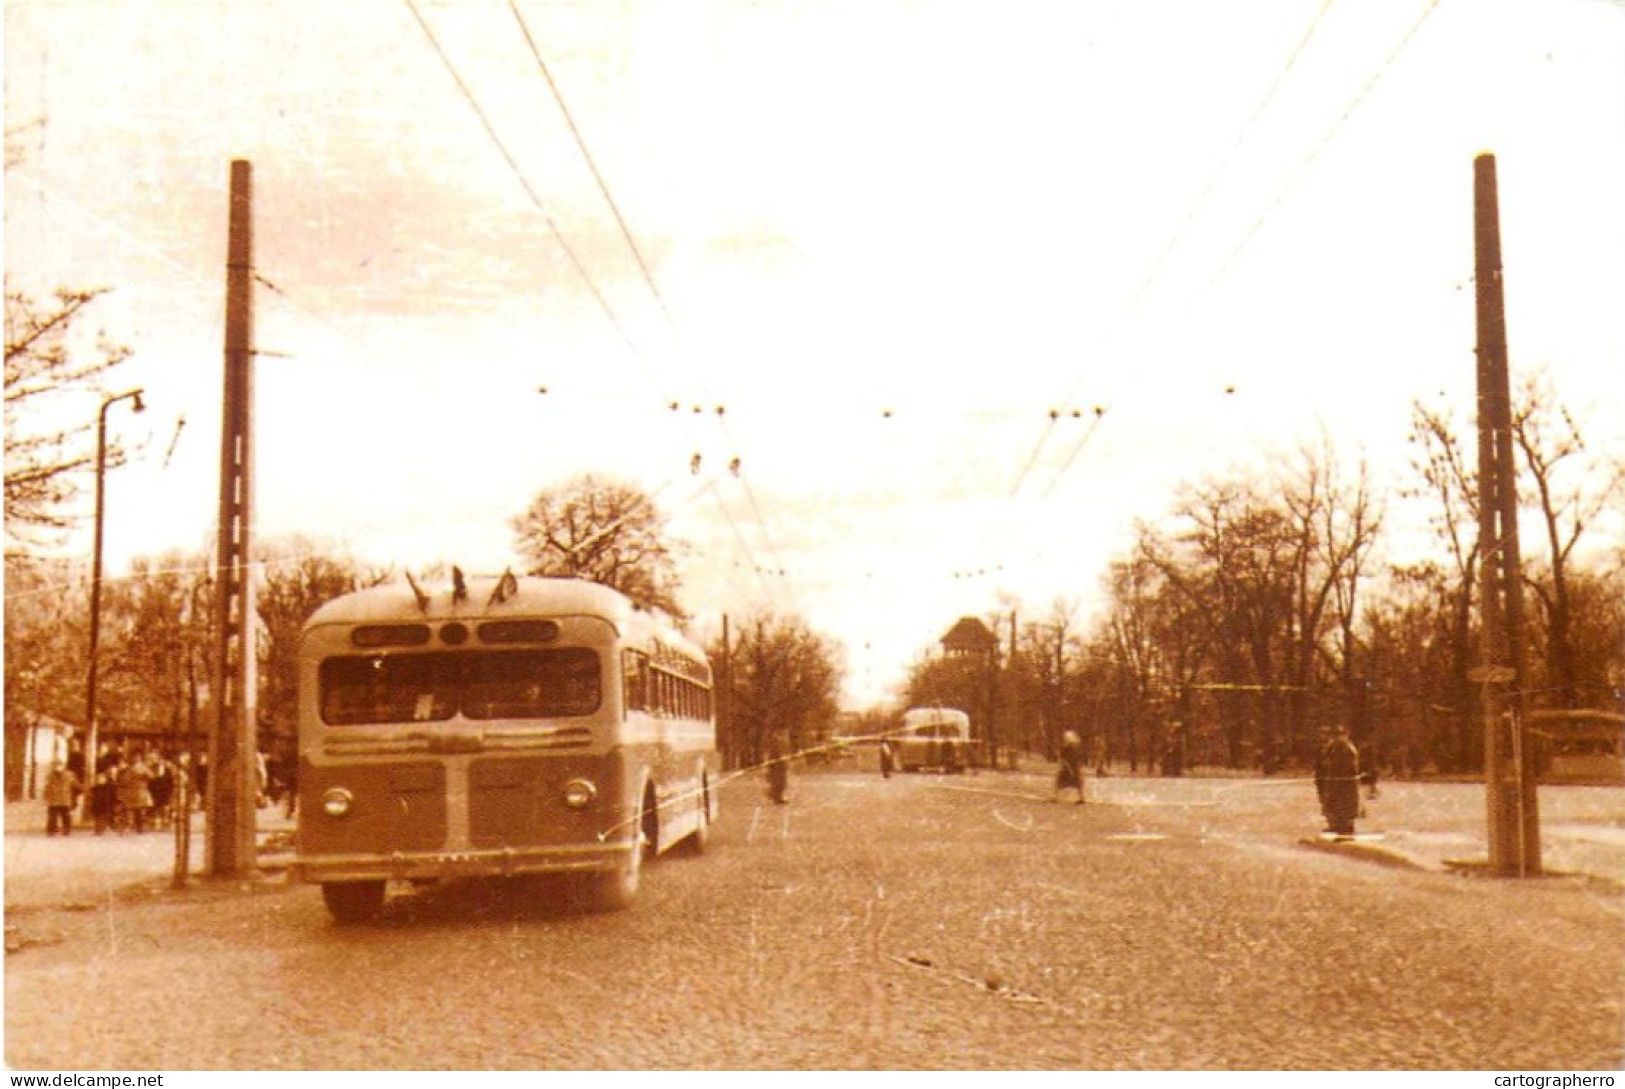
[
  {"x": 701, "y": 836},
  {"x": 353, "y": 901}
]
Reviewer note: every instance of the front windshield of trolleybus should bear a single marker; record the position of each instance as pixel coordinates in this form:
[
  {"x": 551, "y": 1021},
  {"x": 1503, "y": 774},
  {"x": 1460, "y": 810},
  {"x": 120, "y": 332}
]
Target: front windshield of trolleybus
[{"x": 432, "y": 687}]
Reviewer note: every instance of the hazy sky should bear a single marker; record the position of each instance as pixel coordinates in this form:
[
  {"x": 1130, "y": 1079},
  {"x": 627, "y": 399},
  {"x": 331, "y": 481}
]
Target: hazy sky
[{"x": 889, "y": 238}]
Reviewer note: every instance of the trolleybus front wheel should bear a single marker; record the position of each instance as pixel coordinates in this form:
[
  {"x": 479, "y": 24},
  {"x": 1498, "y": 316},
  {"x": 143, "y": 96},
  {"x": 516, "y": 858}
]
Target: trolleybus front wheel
[
  {"x": 615, "y": 889},
  {"x": 353, "y": 901}
]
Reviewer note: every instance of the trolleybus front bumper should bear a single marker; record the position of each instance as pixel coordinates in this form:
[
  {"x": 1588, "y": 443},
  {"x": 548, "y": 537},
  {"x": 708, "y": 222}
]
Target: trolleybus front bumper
[{"x": 448, "y": 865}]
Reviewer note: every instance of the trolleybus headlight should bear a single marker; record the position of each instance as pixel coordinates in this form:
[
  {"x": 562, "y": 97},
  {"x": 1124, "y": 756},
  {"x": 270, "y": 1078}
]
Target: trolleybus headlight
[
  {"x": 337, "y": 802},
  {"x": 579, "y": 793}
]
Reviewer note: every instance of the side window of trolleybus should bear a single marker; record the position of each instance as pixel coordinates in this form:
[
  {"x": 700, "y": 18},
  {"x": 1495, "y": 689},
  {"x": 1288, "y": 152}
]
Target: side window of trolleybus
[{"x": 635, "y": 671}]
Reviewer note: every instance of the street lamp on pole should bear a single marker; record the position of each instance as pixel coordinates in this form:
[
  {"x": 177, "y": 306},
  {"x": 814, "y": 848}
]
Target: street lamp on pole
[{"x": 134, "y": 396}]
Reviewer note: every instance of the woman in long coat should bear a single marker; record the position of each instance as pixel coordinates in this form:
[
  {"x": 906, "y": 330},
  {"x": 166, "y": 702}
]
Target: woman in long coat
[
  {"x": 778, "y": 771},
  {"x": 1337, "y": 781},
  {"x": 1069, "y": 775}
]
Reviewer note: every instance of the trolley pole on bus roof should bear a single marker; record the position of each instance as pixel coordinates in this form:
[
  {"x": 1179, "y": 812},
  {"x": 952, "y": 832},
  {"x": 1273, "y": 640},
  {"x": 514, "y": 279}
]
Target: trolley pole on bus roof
[
  {"x": 1513, "y": 818},
  {"x": 231, "y": 789}
]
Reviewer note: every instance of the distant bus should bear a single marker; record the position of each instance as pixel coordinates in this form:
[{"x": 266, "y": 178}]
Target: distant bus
[
  {"x": 499, "y": 727},
  {"x": 933, "y": 737}
]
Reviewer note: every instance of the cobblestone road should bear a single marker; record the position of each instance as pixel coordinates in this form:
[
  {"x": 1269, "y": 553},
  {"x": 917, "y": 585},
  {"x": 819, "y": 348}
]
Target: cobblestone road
[{"x": 911, "y": 923}]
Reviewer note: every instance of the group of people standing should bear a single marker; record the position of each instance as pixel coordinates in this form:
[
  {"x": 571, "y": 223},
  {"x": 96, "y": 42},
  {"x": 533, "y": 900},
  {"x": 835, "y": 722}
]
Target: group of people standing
[
  {"x": 137, "y": 787},
  {"x": 131, "y": 789}
]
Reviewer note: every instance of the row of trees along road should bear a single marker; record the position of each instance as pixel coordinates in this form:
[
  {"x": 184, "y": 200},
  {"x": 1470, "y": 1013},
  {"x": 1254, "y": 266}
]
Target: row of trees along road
[{"x": 1262, "y": 609}]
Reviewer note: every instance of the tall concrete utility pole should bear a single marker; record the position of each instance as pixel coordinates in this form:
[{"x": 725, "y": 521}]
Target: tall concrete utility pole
[
  {"x": 232, "y": 788},
  {"x": 1513, "y": 815}
]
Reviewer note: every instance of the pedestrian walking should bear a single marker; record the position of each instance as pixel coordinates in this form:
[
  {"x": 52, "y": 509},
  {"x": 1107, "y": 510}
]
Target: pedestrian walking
[
  {"x": 61, "y": 792},
  {"x": 1337, "y": 781},
  {"x": 778, "y": 773},
  {"x": 1069, "y": 775},
  {"x": 886, "y": 759}
]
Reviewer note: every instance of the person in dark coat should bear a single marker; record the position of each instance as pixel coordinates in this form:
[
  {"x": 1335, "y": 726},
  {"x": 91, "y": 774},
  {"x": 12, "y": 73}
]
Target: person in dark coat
[
  {"x": 104, "y": 798},
  {"x": 1069, "y": 775},
  {"x": 885, "y": 759},
  {"x": 778, "y": 772},
  {"x": 1337, "y": 781},
  {"x": 61, "y": 793}
]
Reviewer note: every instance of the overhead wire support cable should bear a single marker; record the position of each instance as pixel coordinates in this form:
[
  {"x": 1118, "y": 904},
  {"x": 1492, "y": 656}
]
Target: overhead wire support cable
[
  {"x": 1089, "y": 433},
  {"x": 581, "y": 143},
  {"x": 1230, "y": 156},
  {"x": 1177, "y": 236},
  {"x": 620, "y": 220},
  {"x": 631, "y": 242},
  {"x": 1325, "y": 141},
  {"x": 524, "y": 182}
]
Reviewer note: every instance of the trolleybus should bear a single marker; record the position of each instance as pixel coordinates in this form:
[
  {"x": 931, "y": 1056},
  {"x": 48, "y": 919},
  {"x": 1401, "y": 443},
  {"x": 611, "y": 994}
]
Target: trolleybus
[
  {"x": 501, "y": 726},
  {"x": 933, "y": 737}
]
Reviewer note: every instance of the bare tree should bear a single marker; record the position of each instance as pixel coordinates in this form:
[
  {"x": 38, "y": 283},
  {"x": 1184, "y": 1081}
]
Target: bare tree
[
  {"x": 49, "y": 441},
  {"x": 1448, "y": 481},
  {"x": 785, "y": 680},
  {"x": 1548, "y": 436},
  {"x": 1335, "y": 526},
  {"x": 604, "y": 531},
  {"x": 1234, "y": 566}
]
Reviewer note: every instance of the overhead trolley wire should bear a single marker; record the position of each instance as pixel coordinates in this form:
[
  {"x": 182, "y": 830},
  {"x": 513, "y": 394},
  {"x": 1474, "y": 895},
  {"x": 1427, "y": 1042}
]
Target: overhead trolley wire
[
  {"x": 620, "y": 220},
  {"x": 1176, "y": 237},
  {"x": 524, "y": 182},
  {"x": 541, "y": 207},
  {"x": 1230, "y": 156},
  {"x": 1325, "y": 141},
  {"x": 643, "y": 267},
  {"x": 581, "y": 143}
]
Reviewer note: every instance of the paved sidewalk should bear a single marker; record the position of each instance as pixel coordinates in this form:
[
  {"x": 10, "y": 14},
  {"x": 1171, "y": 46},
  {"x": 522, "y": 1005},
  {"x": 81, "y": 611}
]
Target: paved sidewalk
[
  {"x": 1429, "y": 826},
  {"x": 1437, "y": 826},
  {"x": 84, "y": 869}
]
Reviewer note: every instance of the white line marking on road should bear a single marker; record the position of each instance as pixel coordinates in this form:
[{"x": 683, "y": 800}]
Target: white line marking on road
[
  {"x": 1025, "y": 826},
  {"x": 1023, "y": 795}
]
